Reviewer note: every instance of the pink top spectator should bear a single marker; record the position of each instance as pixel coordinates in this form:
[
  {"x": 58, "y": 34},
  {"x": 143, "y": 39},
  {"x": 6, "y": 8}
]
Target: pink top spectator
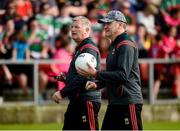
[
  {"x": 169, "y": 44},
  {"x": 24, "y": 8},
  {"x": 65, "y": 58},
  {"x": 171, "y": 21}
]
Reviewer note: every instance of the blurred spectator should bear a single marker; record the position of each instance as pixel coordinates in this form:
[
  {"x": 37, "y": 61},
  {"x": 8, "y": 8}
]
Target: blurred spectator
[
  {"x": 156, "y": 48},
  {"x": 163, "y": 72},
  {"x": 169, "y": 41},
  {"x": 48, "y": 27},
  {"x": 65, "y": 31},
  {"x": 35, "y": 40},
  {"x": 146, "y": 17},
  {"x": 64, "y": 52},
  {"x": 165, "y": 4},
  {"x": 63, "y": 19},
  {"x": 75, "y": 10},
  {"x": 45, "y": 21},
  {"x": 159, "y": 69},
  {"x": 5, "y": 78},
  {"x": 93, "y": 15},
  {"x": 23, "y": 9},
  {"x": 6, "y": 46},
  {"x": 125, "y": 8},
  {"x": 10, "y": 12},
  {"x": 44, "y": 69},
  {"x": 176, "y": 70},
  {"x": 8, "y": 30},
  {"x": 172, "y": 17},
  {"x": 103, "y": 48},
  {"x": 138, "y": 5},
  {"x": 53, "y": 10},
  {"x": 3, "y": 6},
  {"x": 104, "y": 6},
  {"x": 20, "y": 47},
  {"x": 14, "y": 77},
  {"x": 143, "y": 41}
]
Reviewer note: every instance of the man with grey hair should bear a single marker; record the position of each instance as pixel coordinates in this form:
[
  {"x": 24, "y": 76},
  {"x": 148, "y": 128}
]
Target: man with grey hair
[
  {"x": 84, "y": 105},
  {"x": 122, "y": 77}
]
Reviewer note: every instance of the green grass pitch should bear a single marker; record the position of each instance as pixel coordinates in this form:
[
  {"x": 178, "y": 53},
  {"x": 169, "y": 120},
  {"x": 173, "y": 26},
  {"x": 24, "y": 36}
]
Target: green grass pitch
[{"x": 57, "y": 126}]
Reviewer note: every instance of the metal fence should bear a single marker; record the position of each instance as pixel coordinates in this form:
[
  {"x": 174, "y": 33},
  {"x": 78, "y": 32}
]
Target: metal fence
[{"x": 150, "y": 62}]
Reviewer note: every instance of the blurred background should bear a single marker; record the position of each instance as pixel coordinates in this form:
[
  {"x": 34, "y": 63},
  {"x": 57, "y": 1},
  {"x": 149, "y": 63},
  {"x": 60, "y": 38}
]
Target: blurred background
[{"x": 35, "y": 41}]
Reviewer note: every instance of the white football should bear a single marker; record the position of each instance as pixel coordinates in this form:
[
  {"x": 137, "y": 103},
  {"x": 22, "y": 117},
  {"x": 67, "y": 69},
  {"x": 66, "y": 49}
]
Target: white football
[{"x": 85, "y": 58}]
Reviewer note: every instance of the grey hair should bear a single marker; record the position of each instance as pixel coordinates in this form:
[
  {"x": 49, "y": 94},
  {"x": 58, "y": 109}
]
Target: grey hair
[{"x": 85, "y": 21}]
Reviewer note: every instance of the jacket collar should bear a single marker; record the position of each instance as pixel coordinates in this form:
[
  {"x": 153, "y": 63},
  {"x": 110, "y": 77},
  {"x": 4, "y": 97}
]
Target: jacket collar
[
  {"x": 85, "y": 41},
  {"x": 119, "y": 38}
]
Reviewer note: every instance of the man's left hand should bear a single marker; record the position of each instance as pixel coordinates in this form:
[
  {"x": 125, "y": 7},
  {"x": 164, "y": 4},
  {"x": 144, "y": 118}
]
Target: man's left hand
[
  {"x": 57, "y": 97},
  {"x": 90, "y": 85}
]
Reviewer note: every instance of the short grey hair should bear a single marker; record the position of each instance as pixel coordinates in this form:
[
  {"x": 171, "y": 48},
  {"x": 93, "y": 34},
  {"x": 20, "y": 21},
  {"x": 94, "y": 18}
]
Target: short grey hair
[{"x": 85, "y": 21}]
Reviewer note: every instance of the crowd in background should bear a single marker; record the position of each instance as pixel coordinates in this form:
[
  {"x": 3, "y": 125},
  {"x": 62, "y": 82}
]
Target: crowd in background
[{"x": 40, "y": 29}]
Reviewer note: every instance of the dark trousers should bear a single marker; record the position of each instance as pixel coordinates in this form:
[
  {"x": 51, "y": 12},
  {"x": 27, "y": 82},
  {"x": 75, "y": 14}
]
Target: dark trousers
[
  {"x": 123, "y": 117},
  {"x": 82, "y": 116}
]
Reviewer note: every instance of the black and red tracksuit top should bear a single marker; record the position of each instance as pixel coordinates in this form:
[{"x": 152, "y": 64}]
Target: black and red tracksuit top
[
  {"x": 75, "y": 83},
  {"x": 122, "y": 75}
]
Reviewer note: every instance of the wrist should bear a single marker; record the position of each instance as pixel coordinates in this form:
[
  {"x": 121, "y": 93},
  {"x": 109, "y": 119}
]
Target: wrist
[
  {"x": 95, "y": 74},
  {"x": 62, "y": 94}
]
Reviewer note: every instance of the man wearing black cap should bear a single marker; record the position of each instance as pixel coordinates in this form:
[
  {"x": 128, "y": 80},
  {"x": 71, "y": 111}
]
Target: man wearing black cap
[{"x": 122, "y": 77}]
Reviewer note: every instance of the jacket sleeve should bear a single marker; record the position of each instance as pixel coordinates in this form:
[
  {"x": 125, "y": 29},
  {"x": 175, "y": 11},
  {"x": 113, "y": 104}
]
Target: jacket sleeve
[
  {"x": 124, "y": 65},
  {"x": 79, "y": 82},
  {"x": 75, "y": 84}
]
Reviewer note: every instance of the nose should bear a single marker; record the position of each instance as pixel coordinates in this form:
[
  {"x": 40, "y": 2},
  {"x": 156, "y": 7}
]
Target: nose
[{"x": 72, "y": 28}]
